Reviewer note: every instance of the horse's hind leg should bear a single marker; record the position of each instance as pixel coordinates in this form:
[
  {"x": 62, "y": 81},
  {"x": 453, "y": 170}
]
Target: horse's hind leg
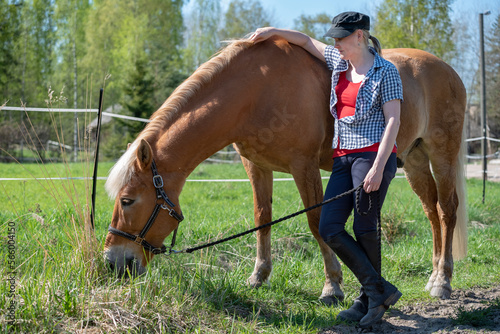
[
  {"x": 308, "y": 181},
  {"x": 433, "y": 201},
  {"x": 262, "y": 183},
  {"x": 444, "y": 168}
]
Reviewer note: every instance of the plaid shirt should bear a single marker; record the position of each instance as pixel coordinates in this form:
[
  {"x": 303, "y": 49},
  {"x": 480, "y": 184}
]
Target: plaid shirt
[{"x": 381, "y": 84}]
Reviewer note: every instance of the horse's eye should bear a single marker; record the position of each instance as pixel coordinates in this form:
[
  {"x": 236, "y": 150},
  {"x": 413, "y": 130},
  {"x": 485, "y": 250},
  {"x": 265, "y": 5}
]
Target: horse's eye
[{"x": 126, "y": 201}]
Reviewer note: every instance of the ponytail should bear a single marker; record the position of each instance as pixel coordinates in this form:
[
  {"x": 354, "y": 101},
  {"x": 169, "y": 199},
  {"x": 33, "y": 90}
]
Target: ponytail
[{"x": 376, "y": 44}]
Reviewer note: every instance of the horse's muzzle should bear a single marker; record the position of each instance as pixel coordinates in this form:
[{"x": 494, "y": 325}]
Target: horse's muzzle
[{"x": 124, "y": 263}]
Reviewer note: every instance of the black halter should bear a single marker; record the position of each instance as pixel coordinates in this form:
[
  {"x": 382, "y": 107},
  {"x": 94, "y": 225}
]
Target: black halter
[{"x": 166, "y": 205}]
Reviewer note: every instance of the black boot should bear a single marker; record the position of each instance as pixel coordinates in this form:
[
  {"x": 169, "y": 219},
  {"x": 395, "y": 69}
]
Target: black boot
[
  {"x": 381, "y": 294},
  {"x": 370, "y": 244},
  {"x": 358, "y": 309}
]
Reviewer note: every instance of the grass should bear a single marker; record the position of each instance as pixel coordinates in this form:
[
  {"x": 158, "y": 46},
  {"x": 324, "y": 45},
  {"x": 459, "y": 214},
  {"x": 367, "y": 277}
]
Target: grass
[
  {"x": 482, "y": 317},
  {"x": 62, "y": 284}
]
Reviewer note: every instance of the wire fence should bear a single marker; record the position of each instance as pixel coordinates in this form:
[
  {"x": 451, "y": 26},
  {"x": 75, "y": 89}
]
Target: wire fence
[{"x": 225, "y": 156}]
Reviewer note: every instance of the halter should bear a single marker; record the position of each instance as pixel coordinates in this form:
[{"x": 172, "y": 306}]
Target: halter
[{"x": 166, "y": 205}]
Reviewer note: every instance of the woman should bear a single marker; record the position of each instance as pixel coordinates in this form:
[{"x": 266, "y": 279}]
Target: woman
[{"x": 365, "y": 102}]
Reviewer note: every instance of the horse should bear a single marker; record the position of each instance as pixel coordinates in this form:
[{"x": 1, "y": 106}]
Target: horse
[{"x": 271, "y": 101}]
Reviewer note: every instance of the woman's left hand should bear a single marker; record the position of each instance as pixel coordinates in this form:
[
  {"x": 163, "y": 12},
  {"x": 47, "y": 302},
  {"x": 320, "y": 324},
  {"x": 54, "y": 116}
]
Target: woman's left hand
[
  {"x": 261, "y": 34},
  {"x": 373, "y": 179}
]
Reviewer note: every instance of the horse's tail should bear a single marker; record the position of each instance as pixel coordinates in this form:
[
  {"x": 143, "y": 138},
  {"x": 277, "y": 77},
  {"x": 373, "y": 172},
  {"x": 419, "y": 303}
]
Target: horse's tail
[{"x": 460, "y": 234}]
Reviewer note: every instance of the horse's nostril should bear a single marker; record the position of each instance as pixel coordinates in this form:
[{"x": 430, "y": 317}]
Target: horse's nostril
[
  {"x": 129, "y": 266},
  {"x": 133, "y": 266}
]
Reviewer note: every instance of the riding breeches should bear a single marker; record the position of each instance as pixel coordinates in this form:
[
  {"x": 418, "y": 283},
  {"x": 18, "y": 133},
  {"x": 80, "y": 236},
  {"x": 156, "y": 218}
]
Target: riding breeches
[{"x": 348, "y": 172}]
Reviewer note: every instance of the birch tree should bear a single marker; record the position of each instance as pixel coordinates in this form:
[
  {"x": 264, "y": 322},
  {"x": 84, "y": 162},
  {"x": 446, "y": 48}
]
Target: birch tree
[{"x": 420, "y": 24}]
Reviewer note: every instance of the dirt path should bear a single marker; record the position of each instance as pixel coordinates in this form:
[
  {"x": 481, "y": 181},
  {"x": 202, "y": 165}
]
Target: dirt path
[{"x": 480, "y": 306}]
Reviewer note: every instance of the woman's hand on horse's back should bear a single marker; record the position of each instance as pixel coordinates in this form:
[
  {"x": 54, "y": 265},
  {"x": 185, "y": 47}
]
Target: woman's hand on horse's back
[
  {"x": 315, "y": 47},
  {"x": 261, "y": 34}
]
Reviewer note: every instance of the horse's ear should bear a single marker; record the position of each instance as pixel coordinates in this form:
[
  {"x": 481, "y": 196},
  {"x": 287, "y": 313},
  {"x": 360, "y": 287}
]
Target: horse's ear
[
  {"x": 128, "y": 145},
  {"x": 144, "y": 155}
]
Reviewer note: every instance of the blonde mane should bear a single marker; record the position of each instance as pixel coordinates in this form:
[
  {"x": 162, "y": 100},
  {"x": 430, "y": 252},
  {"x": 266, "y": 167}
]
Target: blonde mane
[{"x": 121, "y": 173}]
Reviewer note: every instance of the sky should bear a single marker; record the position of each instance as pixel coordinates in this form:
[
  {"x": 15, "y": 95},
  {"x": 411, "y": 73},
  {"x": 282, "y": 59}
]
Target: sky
[{"x": 285, "y": 11}]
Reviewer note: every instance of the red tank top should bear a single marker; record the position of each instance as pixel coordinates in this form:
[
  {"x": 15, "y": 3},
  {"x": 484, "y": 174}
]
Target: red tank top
[{"x": 347, "y": 93}]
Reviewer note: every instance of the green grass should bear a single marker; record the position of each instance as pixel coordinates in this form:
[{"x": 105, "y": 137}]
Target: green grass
[
  {"x": 482, "y": 318},
  {"x": 62, "y": 284}
]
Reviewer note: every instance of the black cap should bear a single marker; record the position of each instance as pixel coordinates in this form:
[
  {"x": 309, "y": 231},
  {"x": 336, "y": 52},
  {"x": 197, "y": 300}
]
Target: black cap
[{"x": 346, "y": 23}]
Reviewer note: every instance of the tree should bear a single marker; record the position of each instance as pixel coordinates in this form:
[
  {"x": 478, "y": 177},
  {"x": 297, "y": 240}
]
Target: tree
[
  {"x": 202, "y": 35},
  {"x": 112, "y": 35},
  {"x": 420, "y": 24},
  {"x": 244, "y": 17},
  {"x": 27, "y": 45},
  {"x": 27, "y": 42},
  {"x": 163, "y": 40},
  {"x": 10, "y": 30},
  {"x": 70, "y": 17},
  {"x": 139, "y": 95},
  {"x": 119, "y": 32},
  {"x": 314, "y": 26},
  {"x": 466, "y": 56},
  {"x": 73, "y": 45}
]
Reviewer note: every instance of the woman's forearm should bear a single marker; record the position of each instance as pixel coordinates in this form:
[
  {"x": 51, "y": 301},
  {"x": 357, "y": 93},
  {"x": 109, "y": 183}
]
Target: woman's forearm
[
  {"x": 387, "y": 143},
  {"x": 392, "y": 113},
  {"x": 316, "y": 48},
  {"x": 292, "y": 36}
]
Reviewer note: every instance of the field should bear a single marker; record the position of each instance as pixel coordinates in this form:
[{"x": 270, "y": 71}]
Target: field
[{"x": 62, "y": 285}]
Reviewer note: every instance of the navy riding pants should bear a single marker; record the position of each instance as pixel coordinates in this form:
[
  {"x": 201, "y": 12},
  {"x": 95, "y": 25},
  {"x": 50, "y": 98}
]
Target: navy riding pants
[{"x": 348, "y": 172}]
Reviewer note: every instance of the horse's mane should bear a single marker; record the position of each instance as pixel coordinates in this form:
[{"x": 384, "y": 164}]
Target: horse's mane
[{"x": 122, "y": 171}]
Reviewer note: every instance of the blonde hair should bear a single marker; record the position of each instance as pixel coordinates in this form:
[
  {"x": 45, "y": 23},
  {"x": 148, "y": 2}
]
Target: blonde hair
[{"x": 376, "y": 44}]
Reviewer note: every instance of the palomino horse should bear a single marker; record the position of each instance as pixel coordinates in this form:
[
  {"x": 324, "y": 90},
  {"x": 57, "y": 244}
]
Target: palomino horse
[{"x": 271, "y": 100}]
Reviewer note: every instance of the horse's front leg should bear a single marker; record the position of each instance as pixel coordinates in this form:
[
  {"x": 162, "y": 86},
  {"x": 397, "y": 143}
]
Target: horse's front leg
[
  {"x": 262, "y": 183},
  {"x": 332, "y": 292},
  {"x": 263, "y": 266},
  {"x": 308, "y": 180}
]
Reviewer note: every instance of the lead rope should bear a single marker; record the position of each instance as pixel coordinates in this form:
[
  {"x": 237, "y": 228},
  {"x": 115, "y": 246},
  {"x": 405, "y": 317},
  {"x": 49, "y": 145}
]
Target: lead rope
[{"x": 349, "y": 192}]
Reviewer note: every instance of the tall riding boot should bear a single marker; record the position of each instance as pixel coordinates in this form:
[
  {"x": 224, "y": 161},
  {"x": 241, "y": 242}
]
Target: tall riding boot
[
  {"x": 381, "y": 294},
  {"x": 369, "y": 242},
  {"x": 358, "y": 309}
]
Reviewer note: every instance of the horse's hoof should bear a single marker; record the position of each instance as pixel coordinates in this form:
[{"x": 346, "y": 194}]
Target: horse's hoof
[
  {"x": 254, "y": 282},
  {"x": 442, "y": 292},
  {"x": 429, "y": 286},
  {"x": 331, "y": 300}
]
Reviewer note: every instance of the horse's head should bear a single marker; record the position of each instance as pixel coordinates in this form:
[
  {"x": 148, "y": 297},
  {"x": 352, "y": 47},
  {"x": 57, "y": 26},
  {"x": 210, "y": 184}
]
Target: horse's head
[{"x": 143, "y": 215}]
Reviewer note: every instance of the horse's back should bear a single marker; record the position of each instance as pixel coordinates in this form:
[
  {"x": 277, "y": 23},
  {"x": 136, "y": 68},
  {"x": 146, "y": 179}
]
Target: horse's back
[
  {"x": 433, "y": 93},
  {"x": 290, "y": 120},
  {"x": 291, "y": 117}
]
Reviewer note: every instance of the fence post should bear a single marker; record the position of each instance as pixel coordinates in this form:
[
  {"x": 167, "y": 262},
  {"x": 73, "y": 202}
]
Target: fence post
[{"x": 96, "y": 158}]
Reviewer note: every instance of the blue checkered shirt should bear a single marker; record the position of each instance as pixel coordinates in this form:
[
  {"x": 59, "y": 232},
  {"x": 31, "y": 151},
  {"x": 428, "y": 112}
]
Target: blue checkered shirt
[{"x": 381, "y": 84}]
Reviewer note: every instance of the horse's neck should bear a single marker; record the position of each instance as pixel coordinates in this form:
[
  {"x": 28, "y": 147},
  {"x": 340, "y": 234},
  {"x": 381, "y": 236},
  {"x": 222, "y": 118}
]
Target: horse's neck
[
  {"x": 202, "y": 129},
  {"x": 232, "y": 106}
]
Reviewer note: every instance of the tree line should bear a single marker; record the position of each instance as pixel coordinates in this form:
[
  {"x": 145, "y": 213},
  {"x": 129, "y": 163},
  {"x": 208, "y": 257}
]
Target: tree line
[{"x": 59, "y": 53}]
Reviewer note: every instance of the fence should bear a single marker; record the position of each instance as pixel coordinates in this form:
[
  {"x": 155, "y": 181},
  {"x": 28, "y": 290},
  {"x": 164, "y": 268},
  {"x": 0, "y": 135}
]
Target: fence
[
  {"x": 223, "y": 156},
  {"x": 488, "y": 156}
]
